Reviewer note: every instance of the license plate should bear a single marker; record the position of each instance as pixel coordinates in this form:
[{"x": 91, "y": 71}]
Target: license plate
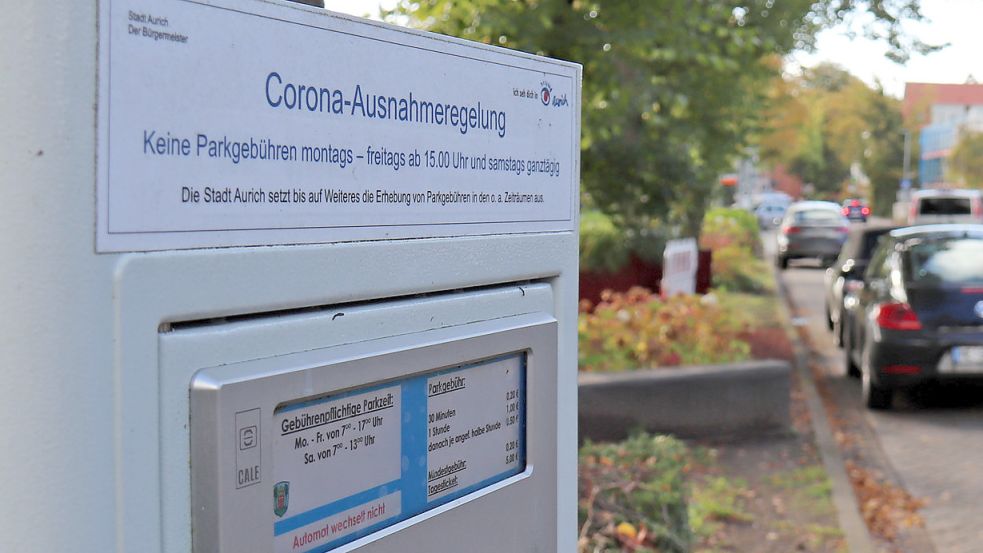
[{"x": 966, "y": 358}]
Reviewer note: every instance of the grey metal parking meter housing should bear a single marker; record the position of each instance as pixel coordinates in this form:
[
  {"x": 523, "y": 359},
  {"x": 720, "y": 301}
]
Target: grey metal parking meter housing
[
  {"x": 216, "y": 348},
  {"x": 487, "y": 474}
]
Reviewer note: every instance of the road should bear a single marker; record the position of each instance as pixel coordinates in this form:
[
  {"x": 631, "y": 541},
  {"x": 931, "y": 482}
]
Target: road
[{"x": 932, "y": 441}]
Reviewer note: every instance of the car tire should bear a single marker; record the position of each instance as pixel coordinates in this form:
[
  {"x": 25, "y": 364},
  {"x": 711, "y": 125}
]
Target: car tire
[
  {"x": 852, "y": 369},
  {"x": 829, "y": 319},
  {"x": 782, "y": 262},
  {"x": 874, "y": 396}
]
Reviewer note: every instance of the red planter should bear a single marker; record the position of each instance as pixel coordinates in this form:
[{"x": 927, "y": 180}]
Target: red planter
[{"x": 638, "y": 272}]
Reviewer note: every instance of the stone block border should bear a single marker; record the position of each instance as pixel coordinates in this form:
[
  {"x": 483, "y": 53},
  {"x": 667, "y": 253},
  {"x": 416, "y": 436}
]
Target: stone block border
[{"x": 691, "y": 402}]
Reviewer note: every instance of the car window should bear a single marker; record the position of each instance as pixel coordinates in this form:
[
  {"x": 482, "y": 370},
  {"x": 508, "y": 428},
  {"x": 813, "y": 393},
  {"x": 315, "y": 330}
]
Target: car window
[
  {"x": 944, "y": 206},
  {"x": 879, "y": 267},
  {"x": 870, "y": 242},
  {"x": 945, "y": 260},
  {"x": 818, "y": 217}
]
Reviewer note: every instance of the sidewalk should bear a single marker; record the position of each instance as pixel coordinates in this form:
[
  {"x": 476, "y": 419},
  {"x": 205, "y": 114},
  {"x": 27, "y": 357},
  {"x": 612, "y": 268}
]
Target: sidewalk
[{"x": 787, "y": 500}]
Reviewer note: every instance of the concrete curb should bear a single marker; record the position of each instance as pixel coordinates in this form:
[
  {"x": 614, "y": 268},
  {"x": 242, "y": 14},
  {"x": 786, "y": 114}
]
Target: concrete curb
[
  {"x": 694, "y": 401},
  {"x": 854, "y": 528}
]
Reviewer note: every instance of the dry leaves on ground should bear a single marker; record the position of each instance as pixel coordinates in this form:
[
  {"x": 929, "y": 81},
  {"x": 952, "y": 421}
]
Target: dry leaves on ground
[{"x": 885, "y": 507}]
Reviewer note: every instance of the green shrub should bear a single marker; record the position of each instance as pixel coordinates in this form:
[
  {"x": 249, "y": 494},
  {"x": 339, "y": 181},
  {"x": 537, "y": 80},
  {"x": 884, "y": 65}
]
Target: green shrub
[
  {"x": 633, "y": 496},
  {"x": 732, "y": 236},
  {"x": 737, "y": 269},
  {"x": 603, "y": 248},
  {"x": 724, "y": 226}
]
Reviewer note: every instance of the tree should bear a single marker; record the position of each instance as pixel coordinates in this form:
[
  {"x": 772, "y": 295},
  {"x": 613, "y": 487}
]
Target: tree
[
  {"x": 819, "y": 129},
  {"x": 966, "y": 163},
  {"x": 673, "y": 89},
  {"x": 884, "y": 150},
  {"x": 846, "y": 122}
]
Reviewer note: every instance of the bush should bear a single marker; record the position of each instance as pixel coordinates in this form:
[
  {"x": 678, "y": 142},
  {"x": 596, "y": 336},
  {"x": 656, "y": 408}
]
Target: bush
[
  {"x": 732, "y": 235},
  {"x": 637, "y": 329},
  {"x": 737, "y": 269},
  {"x": 633, "y": 496},
  {"x": 723, "y": 226},
  {"x": 603, "y": 247}
]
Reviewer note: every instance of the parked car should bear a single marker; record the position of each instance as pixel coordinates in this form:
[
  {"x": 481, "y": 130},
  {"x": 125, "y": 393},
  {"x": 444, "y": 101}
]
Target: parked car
[
  {"x": 811, "y": 229},
  {"x": 769, "y": 215},
  {"x": 919, "y": 316},
  {"x": 855, "y": 210},
  {"x": 846, "y": 274},
  {"x": 946, "y": 206}
]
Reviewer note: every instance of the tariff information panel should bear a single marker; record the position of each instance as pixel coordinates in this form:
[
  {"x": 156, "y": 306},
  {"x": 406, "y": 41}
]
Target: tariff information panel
[
  {"x": 474, "y": 427},
  {"x": 249, "y": 123},
  {"x": 350, "y": 464}
]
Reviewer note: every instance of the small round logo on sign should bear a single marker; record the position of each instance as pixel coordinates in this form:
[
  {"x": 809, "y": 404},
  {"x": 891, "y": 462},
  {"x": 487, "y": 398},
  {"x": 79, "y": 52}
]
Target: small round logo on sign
[{"x": 979, "y": 309}]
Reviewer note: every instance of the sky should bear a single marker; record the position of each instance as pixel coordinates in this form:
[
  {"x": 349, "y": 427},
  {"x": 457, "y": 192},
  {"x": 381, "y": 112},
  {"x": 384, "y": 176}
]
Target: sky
[{"x": 956, "y": 22}]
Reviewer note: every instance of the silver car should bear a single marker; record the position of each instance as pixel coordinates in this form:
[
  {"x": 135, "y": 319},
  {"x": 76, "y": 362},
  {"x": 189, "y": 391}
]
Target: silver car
[
  {"x": 769, "y": 215},
  {"x": 811, "y": 229}
]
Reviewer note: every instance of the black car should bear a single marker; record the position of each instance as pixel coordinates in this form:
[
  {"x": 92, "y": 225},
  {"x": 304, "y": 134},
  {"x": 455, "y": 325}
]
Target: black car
[
  {"x": 847, "y": 273},
  {"x": 919, "y": 316}
]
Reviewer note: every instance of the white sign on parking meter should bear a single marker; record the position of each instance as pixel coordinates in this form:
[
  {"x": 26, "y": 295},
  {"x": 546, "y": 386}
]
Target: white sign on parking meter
[{"x": 221, "y": 127}]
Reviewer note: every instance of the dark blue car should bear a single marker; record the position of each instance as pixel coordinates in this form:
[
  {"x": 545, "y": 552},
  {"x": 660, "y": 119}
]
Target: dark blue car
[{"x": 918, "y": 317}]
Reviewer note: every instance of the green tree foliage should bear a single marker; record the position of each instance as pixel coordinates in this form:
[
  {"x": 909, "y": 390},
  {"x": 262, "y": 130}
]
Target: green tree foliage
[
  {"x": 603, "y": 248},
  {"x": 966, "y": 163},
  {"x": 672, "y": 90},
  {"x": 884, "y": 150},
  {"x": 816, "y": 128}
]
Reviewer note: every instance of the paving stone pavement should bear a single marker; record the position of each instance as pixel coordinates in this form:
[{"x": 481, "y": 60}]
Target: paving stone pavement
[{"x": 938, "y": 451}]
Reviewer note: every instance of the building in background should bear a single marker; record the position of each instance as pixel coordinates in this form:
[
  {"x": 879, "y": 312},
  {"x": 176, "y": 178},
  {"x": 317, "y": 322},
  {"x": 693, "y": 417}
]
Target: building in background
[{"x": 941, "y": 112}]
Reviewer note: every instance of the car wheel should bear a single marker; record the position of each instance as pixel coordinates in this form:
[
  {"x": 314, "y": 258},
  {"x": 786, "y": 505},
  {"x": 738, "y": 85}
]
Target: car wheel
[
  {"x": 873, "y": 395},
  {"x": 782, "y": 262},
  {"x": 852, "y": 369}
]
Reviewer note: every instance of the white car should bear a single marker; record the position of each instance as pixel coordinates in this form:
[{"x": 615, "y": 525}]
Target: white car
[{"x": 946, "y": 206}]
